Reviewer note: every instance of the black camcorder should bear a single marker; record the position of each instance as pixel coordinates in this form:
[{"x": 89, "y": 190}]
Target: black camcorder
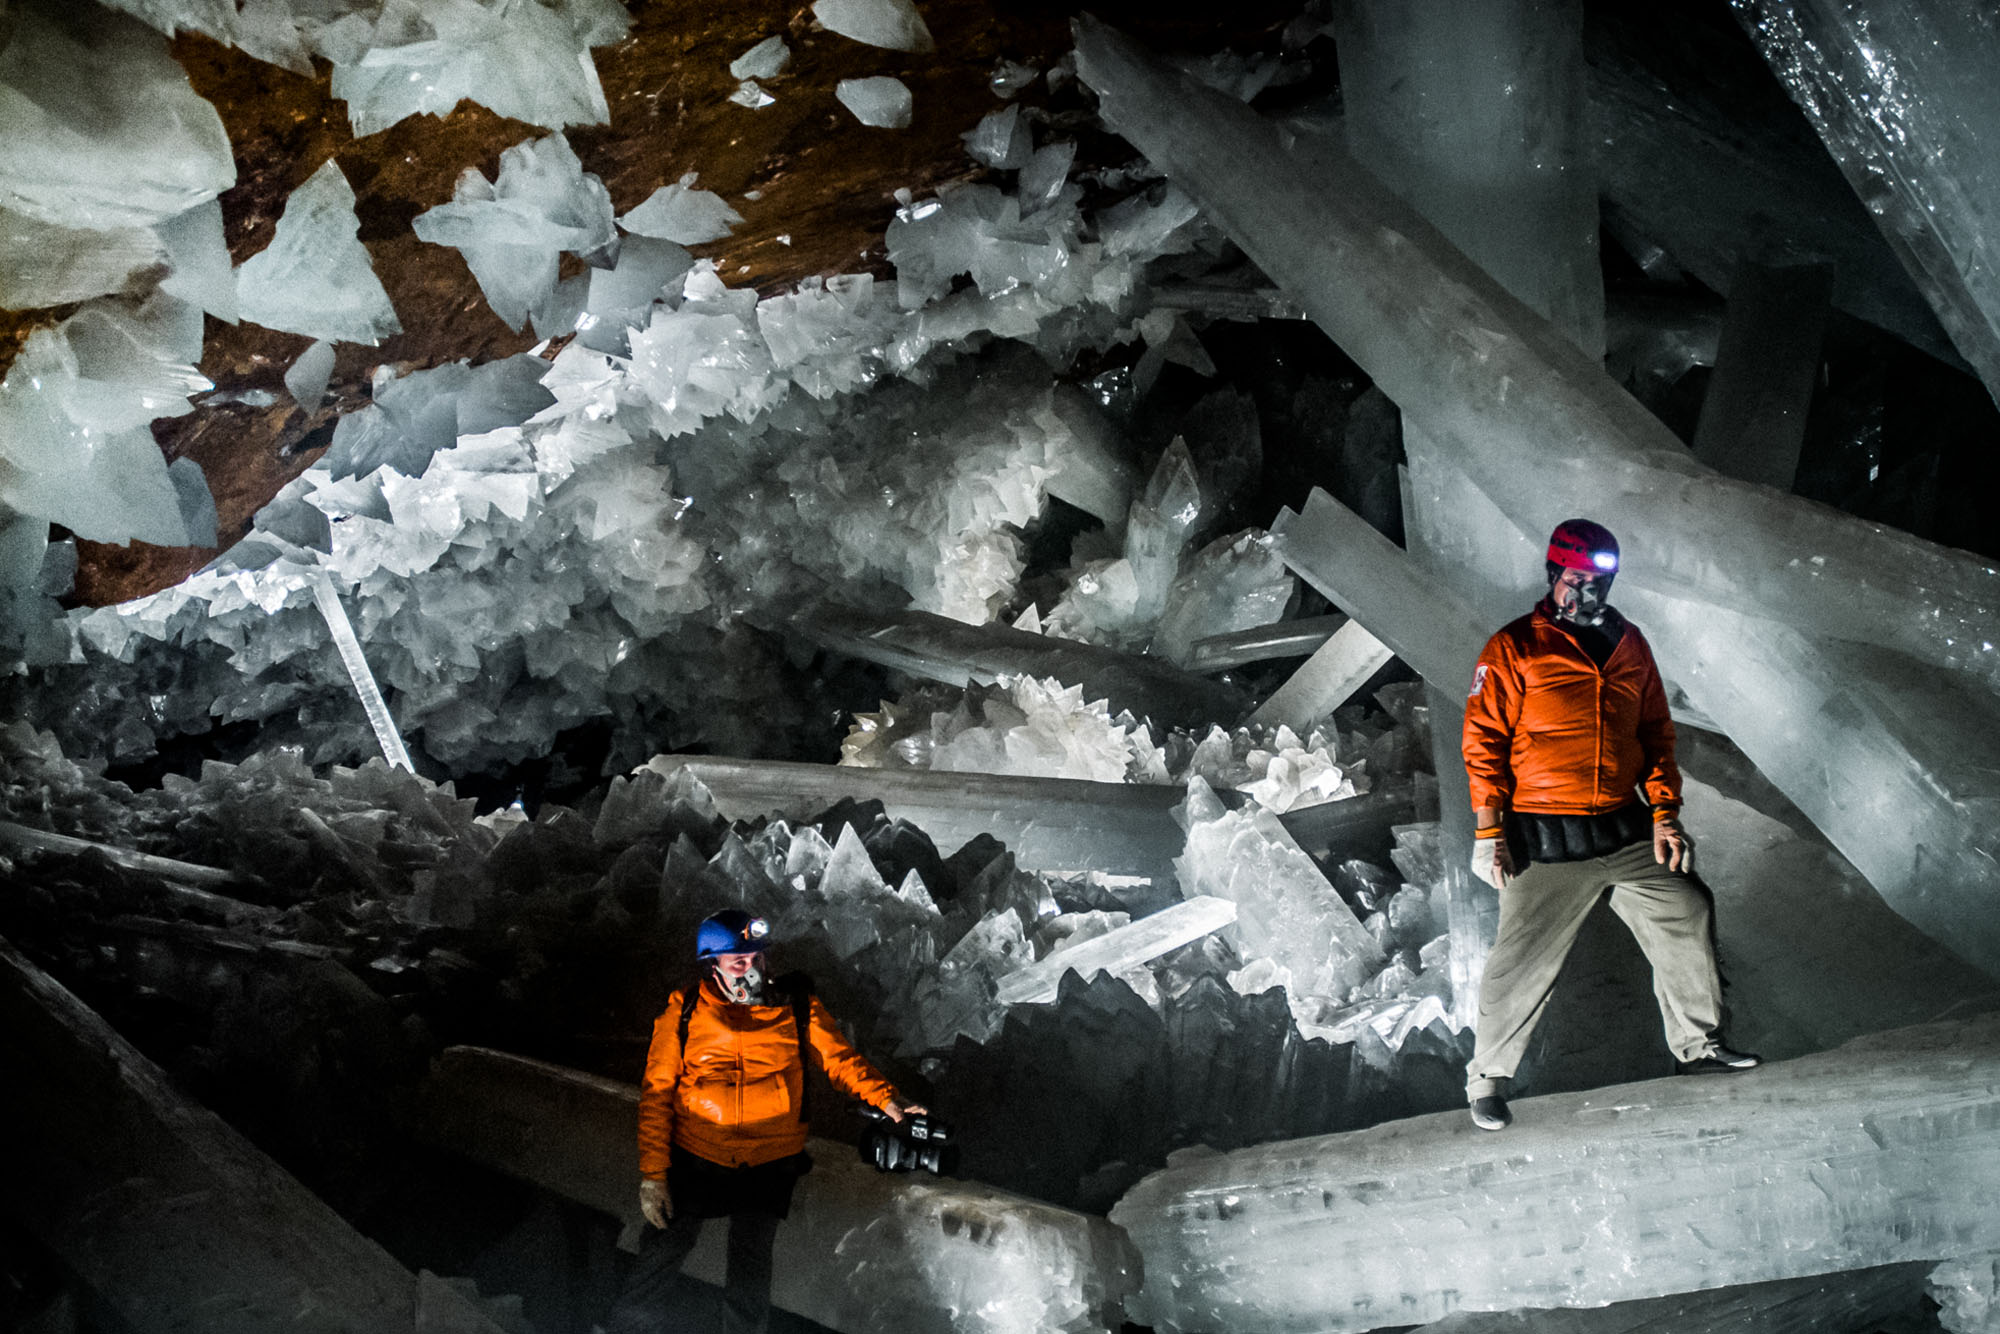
[{"x": 919, "y": 1140}]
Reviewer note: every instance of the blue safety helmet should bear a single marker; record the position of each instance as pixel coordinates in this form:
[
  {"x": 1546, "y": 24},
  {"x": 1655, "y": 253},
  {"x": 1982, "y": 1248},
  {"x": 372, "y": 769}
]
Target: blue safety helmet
[{"x": 731, "y": 931}]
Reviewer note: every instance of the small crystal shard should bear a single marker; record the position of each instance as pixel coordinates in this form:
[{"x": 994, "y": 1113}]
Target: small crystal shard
[
  {"x": 766, "y": 60},
  {"x": 316, "y": 277},
  {"x": 306, "y": 379},
  {"x": 880, "y": 101}
]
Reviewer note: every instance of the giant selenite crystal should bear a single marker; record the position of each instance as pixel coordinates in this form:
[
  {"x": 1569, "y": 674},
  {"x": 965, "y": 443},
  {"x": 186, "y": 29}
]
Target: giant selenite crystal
[
  {"x": 1907, "y": 99},
  {"x": 1536, "y": 422},
  {"x": 315, "y": 277},
  {"x": 1886, "y": 1150}
]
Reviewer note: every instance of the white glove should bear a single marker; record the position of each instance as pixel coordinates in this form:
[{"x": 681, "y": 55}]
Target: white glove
[
  {"x": 654, "y": 1202},
  {"x": 1491, "y": 861}
]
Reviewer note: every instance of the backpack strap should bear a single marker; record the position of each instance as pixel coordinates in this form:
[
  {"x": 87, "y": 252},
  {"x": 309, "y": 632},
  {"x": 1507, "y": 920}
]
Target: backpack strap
[
  {"x": 800, "y": 987},
  {"x": 688, "y": 995}
]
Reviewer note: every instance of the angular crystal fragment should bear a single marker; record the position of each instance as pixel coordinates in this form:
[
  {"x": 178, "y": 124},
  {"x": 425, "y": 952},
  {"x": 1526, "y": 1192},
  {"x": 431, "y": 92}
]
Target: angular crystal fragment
[{"x": 315, "y": 277}]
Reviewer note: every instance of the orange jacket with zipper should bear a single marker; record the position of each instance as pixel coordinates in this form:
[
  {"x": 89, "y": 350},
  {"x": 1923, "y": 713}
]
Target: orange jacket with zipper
[
  {"x": 734, "y": 1096},
  {"x": 1549, "y": 732}
]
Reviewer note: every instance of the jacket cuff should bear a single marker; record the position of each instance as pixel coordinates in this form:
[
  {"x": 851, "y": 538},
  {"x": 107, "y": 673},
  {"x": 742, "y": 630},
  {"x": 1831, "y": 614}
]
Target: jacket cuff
[{"x": 1663, "y": 813}]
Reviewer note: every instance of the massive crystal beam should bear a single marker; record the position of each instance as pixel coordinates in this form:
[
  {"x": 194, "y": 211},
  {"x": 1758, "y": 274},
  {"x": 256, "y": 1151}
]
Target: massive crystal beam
[
  {"x": 342, "y": 630},
  {"x": 1907, "y": 100},
  {"x": 1539, "y": 426},
  {"x": 172, "y": 1218},
  {"x": 938, "y": 648},
  {"x": 861, "y": 1251},
  {"x": 1885, "y": 1151},
  {"x": 1714, "y": 188},
  {"x": 1282, "y": 639},
  {"x": 1884, "y": 1296},
  {"x": 1753, "y": 417},
  {"x": 1059, "y": 825}
]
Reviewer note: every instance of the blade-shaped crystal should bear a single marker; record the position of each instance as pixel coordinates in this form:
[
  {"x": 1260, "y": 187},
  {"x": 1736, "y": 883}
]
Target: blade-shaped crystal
[{"x": 1118, "y": 949}]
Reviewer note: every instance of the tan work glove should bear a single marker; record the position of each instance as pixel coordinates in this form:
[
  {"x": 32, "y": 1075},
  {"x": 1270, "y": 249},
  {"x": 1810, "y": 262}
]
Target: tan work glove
[
  {"x": 1672, "y": 848},
  {"x": 1491, "y": 861},
  {"x": 654, "y": 1201}
]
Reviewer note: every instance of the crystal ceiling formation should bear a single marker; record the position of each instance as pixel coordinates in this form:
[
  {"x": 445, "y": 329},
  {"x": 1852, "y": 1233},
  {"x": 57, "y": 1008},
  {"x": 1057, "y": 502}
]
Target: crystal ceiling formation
[{"x": 1013, "y": 501}]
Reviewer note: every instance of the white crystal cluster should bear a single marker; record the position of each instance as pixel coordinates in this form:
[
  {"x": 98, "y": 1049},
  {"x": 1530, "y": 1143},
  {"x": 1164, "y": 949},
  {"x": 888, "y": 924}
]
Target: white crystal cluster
[
  {"x": 1039, "y": 728},
  {"x": 524, "y": 59},
  {"x": 1022, "y": 725},
  {"x": 765, "y": 431},
  {"x": 513, "y": 229},
  {"x": 1160, "y": 595}
]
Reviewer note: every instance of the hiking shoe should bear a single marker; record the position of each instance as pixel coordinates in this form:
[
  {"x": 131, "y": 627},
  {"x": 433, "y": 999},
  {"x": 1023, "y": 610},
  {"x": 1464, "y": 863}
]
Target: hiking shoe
[
  {"x": 1490, "y": 1113},
  {"x": 1719, "y": 1060}
]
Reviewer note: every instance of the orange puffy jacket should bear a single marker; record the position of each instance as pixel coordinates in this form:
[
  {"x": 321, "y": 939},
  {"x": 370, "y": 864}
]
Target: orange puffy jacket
[
  {"x": 1548, "y": 732},
  {"x": 735, "y": 1096}
]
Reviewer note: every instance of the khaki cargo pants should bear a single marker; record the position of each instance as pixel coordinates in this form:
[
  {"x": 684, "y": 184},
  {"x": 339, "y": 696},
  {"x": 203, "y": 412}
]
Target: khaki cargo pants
[{"x": 1541, "y": 911}]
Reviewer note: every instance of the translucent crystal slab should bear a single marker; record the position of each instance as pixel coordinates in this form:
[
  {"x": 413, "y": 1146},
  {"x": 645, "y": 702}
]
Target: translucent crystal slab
[
  {"x": 1118, "y": 949},
  {"x": 861, "y": 1251},
  {"x": 1286, "y": 639},
  {"x": 209, "y": 1232},
  {"x": 1326, "y": 680},
  {"x": 1885, "y": 1151}
]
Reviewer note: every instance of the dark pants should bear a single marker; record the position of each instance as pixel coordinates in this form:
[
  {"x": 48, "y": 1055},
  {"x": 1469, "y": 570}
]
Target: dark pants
[{"x": 659, "y": 1299}]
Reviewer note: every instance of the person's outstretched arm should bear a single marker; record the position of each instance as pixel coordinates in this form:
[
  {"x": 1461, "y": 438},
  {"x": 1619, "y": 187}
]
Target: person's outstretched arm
[{"x": 849, "y": 1071}]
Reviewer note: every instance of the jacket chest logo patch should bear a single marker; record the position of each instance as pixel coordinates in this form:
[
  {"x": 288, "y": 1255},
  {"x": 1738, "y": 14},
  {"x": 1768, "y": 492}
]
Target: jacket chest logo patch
[{"x": 1478, "y": 681}]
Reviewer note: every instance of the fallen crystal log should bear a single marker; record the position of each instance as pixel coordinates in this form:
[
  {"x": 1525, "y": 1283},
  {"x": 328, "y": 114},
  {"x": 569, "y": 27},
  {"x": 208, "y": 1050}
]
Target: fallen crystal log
[
  {"x": 938, "y": 648},
  {"x": 1061, "y": 825},
  {"x": 861, "y": 1251},
  {"x": 1327, "y": 680},
  {"x": 171, "y": 1217},
  {"x": 1057, "y": 825},
  {"x": 1884, "y": 1296},
  {"x": 1905, "y": 100},
  {"x": 179, "y": 873},
  {"x": 1882, "y": 1152},
  {"x": 1536, "y": 423},
  {"x": 1117, "y": 950},
  {"x": 1285, "y": 639}
]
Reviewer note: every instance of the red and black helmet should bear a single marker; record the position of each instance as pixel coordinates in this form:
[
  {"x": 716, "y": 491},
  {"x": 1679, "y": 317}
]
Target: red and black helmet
[{"x": 1579, "y": 544}]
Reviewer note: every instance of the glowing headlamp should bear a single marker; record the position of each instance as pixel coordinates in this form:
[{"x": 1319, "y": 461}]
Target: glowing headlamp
[{"x": 1606, "y": 561}]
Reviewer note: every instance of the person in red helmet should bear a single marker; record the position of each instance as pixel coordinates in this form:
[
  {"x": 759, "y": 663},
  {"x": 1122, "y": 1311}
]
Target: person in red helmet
[
  {"x": 1570, "y": 753},
  {"x": 722, "y": 1124}
]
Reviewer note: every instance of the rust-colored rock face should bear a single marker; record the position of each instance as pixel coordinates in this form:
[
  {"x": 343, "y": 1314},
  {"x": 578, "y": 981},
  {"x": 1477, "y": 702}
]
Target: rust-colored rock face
[{"x": 814, "y": 186}]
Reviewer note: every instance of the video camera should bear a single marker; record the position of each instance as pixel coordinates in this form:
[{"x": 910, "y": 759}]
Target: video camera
[{"x": 919, "y": 1140}]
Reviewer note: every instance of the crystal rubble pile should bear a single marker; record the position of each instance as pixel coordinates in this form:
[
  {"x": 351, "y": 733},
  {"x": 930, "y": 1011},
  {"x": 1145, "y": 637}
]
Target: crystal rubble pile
[
  {"x": 859, "y": 1252},
  {"x": 1754, "y": 587},
  {"x": 400, "y": 922},
  {"x": 1885, "y": 1151},
  {"x": 173, "y": 1218}
]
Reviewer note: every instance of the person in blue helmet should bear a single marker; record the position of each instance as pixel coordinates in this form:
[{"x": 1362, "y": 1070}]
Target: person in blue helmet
[{"x": 722, "y": 1124}]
